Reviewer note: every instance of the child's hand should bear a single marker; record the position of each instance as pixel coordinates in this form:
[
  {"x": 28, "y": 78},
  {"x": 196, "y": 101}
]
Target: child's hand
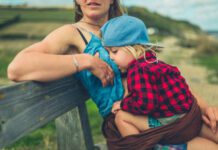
[{"x": 116, "y": 107}]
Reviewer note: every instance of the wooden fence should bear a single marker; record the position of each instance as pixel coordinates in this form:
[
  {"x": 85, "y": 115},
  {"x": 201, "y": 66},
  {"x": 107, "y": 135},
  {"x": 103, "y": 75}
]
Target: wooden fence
[{"x": 25, "y": 107}]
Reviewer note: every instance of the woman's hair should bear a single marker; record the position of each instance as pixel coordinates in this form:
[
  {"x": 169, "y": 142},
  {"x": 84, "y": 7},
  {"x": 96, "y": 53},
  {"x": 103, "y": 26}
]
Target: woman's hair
[{"x": 114, "y": 10}]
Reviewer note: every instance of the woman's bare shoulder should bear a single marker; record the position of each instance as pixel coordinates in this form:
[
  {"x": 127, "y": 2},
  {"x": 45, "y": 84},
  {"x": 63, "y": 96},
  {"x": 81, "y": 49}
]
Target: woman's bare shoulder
[
  {"x": 67, "y": 30},
  {"x": 62, "y": 38}
]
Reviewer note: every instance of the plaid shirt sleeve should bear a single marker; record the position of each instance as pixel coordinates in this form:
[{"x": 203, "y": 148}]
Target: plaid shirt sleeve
[{"x": 141, "y": 99}]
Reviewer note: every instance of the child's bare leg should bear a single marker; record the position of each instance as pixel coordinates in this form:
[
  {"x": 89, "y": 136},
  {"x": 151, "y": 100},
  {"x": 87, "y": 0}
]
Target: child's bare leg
[
  {"x": 126, "y": 128},
  {"x": 129, "y": 124},
  {"x": 200, "y": 143},
  {"x": 206, "y": 132}
]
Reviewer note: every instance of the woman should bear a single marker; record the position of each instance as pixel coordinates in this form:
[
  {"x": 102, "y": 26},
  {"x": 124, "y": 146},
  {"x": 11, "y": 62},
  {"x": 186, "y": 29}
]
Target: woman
[
  {"x": 52, "y": 58},
  {"x": 65, "y": 40}
]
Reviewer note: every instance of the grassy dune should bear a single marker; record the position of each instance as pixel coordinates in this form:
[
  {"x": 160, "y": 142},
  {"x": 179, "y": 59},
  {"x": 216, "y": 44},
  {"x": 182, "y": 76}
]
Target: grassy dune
[
  {"x": 39, "y": 15},
  {"x": 30, "y": 29}
]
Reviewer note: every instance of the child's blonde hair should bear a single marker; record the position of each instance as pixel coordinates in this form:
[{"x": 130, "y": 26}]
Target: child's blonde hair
[
  {"x": 135, "y": 50},
  {"x": 139, "y": 50}
]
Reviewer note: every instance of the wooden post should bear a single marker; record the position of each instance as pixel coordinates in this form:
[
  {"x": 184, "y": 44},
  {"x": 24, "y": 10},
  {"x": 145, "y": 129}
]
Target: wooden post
[
  {"x": 73, "y": 130},
  {"x": 69, "y": 131},
  {"x": 86, "y": 127}
]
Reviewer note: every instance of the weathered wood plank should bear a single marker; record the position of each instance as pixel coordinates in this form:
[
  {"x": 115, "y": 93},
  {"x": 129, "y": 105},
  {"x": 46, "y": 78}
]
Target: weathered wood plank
[
  {"x": 14, "y": 99},
  {"x": 27, "y": 106},
  {"x": 69, "y": 131}
]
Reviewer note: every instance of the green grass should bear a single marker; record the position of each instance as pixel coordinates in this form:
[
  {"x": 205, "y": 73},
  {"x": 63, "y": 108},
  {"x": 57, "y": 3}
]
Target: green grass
[
  {"x": 6, "y": 16},
  {"x": 2, "y": 20},
  {"x": 211, "y": 62},
  {"x": 95, "y": 121},
  {"x": 8, "y": 50},
  {"x": 38, "y": 15},
  {"x": 14, "y": 45},
  {"x": 30, "y": 29},
  {"x": 43, "y": 139},
  {"x": 6, "y": 57}
]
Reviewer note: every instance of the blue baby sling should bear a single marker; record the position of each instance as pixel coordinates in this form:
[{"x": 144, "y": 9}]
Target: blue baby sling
[{"x": 104, "y": 97}]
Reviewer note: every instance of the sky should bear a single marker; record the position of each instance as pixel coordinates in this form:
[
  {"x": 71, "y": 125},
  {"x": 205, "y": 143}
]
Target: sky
[{"x": 203, "y": 13}]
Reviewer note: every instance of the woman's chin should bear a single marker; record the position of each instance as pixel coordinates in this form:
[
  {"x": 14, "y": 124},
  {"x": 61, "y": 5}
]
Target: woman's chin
[{"x": 96, "y": 15}]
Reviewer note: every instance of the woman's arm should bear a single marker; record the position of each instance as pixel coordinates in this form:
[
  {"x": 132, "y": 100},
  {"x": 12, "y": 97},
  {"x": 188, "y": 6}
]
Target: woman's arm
[
  {"x": 44, "y": 67},
  {"x": 45, "y": 60},
  {"x": 203, "y": 104},
  {"x": 209, "y": 113}
]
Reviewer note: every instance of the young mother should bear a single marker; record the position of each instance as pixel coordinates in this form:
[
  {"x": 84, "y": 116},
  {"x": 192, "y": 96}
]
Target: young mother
[{"x": 63, "y": 52}]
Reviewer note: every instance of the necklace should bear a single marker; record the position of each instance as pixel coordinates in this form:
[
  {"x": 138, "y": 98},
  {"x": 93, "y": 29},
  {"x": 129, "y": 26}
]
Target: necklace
[{"x": 97, "y": 25}]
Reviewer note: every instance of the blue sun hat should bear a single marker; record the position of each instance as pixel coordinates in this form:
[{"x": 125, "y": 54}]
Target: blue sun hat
[{"x": 125, "y": 30}]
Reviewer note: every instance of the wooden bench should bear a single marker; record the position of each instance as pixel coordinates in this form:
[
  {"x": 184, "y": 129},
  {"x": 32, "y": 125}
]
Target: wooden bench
[{"x": 27, "y": 106}]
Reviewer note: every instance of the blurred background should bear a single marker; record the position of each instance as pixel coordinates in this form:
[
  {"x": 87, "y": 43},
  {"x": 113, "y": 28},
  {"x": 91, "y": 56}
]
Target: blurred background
[{"x": 187, "y": 29}]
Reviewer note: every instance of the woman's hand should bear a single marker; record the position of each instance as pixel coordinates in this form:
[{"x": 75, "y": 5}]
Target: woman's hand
[
  {"x": 101, "y": 70},
  {"x": 116, "y": 107},
  {"x": 210, "y": 117}
]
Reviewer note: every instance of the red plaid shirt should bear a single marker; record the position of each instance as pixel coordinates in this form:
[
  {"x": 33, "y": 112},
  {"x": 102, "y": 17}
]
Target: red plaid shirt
[{"x": 156, "y": 89}]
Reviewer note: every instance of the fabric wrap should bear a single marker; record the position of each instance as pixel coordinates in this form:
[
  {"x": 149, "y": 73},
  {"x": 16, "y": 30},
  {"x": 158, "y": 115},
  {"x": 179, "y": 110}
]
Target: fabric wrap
[{"x": 180, "y": 131}]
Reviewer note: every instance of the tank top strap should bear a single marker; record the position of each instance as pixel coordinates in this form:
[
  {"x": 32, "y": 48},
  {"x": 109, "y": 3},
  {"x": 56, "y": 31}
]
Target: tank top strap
[{"x": 83, "y": 37}]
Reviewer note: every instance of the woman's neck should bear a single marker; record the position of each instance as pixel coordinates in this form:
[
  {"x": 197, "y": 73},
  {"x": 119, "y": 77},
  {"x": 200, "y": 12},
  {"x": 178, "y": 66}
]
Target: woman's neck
[
  {"x": 92, "y": 25},
  {"x": 98, "y": 22}
]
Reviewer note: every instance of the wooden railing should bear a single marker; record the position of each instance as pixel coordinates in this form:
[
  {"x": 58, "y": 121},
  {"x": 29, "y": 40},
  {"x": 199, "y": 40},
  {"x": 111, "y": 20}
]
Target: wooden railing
[{"x": 25, "y": 107}]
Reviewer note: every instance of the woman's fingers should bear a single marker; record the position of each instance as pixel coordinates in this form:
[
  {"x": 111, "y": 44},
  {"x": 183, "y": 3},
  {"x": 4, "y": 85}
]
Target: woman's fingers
[
  {"x": 206, "y": 120},
  {"x": 106, "y": 79},
  {"x": 102, "y": 70},
  {"x": 213, "y": 121},
  {"x": 109, "y": 73},
  {"x": 104, "y": 82},
  {"x": 215, "y": 112},
  {"x": 211, "y": 116},
  {"x": 110, "y": 77}
]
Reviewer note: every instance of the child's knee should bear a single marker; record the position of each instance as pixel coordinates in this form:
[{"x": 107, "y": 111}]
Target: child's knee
[{"x": 119, "y": 117}]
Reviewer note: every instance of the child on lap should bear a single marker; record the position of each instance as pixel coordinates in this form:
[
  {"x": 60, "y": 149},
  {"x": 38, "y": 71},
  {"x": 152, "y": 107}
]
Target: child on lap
[{"x": 155, "y": 88}]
